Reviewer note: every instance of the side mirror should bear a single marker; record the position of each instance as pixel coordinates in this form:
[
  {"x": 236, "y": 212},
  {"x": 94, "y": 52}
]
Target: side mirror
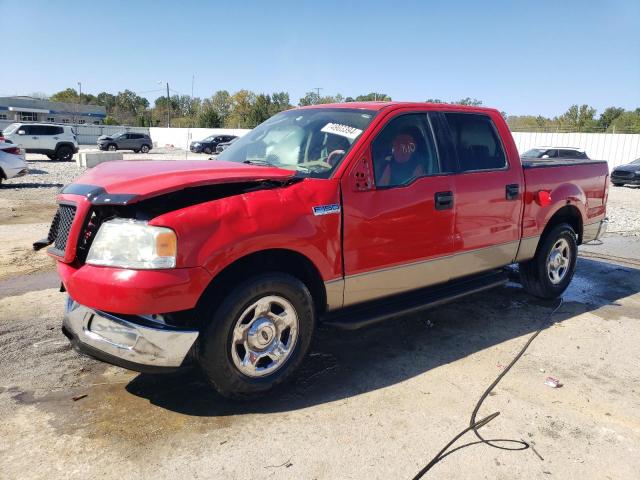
[{"x": 21, "y": 132}]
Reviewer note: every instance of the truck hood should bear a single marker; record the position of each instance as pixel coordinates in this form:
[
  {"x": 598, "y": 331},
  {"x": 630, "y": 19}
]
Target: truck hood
[{"x": 123, "y": 182}]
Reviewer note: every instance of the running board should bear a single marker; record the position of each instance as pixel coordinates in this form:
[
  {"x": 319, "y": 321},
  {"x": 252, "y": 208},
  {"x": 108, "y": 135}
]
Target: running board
[{"x": 362, "y": 315}]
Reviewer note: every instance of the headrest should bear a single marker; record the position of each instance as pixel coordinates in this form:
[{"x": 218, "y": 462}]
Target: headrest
[{"x": 404, "y": 146}]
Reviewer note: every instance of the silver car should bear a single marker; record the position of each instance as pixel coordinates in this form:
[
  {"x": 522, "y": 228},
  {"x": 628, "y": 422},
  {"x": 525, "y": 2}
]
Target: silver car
[
  {"x": 12, "y": 162},
  {"x": 138, "y": 142}
]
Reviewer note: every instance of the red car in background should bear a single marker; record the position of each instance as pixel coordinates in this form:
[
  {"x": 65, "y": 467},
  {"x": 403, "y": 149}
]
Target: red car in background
[{"x": 346, "y": 213}]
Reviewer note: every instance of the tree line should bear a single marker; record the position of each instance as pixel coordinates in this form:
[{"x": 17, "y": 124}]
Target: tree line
[{"x": 246, "y": 109}]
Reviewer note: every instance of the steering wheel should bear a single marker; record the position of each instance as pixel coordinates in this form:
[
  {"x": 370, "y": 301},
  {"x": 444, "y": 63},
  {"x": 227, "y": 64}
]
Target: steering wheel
[{"x": 331, "y": 160}]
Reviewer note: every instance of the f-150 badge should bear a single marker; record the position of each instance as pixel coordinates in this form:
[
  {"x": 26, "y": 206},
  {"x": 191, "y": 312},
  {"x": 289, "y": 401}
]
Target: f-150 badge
[{"x": 326, "y": 209}]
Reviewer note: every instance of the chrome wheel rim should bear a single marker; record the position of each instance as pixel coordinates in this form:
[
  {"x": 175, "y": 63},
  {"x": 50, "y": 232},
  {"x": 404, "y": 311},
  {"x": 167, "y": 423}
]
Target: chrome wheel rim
[
  {"x": 264, "y": 336},
  {"x": 558, "y": 261}
]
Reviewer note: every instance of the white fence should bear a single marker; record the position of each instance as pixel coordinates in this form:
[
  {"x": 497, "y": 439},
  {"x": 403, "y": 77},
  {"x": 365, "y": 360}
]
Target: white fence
[
  {"x": 182, "y": 137},
  {"x": 615, "y": 148}
]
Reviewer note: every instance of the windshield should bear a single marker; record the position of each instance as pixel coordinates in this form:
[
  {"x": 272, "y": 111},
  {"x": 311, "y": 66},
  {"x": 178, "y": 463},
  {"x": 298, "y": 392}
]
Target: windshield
[
  {"x": 636, "y": 162},
  {"x": 534, "y": 153},
  {"x": 311, "y": 141},
  {"x": 10, "y": 129},
  {"x": 208, "y": 139}
]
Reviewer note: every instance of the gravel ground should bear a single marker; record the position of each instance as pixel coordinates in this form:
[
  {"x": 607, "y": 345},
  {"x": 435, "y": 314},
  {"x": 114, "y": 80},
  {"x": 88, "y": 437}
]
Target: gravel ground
[{"x": 622, "y": 208}]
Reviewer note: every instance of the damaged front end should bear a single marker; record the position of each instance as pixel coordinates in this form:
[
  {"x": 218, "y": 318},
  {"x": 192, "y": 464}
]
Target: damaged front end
[{"x": 117, "y": 314}]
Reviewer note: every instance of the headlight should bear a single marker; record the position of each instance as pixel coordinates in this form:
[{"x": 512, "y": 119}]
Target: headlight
[{"x": 133, "y": 244}]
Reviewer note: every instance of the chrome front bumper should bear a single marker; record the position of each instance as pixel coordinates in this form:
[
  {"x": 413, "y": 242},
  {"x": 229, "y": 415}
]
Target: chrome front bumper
[{"x": 145, "y": 346}]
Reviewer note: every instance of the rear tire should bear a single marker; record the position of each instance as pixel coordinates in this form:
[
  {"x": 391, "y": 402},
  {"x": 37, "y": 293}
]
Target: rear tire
[
  {"x": 51, "y": 156},
  {"x": 549, "y": 272},
  {"x": 64, "y": 153},
  {"x": 145, "y": 149},
  {"x": 258, "y": 335}
]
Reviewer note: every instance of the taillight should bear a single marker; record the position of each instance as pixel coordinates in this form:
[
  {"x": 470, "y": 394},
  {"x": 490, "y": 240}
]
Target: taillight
[{"x": 13, "y": 150}]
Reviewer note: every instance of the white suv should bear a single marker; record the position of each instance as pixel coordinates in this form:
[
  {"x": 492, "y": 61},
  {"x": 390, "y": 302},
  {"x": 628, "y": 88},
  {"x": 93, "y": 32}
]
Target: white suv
[{"x": 58, "y": 142}]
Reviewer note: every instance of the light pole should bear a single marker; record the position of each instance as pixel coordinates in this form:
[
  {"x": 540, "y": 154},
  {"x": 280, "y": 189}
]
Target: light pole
[
  {"x": 77, "y": 109},
  {"x": 317, "y": 89},
  {"x": 168, "y": 105}
]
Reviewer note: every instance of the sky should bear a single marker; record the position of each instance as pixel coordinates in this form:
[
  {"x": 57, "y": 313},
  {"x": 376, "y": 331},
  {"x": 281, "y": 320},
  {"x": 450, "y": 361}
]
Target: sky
[{"x": 522, "y": 57}]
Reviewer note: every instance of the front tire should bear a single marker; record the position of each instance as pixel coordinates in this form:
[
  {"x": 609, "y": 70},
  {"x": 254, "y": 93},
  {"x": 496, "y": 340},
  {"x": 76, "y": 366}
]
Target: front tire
[
  {"x": 549, "y": 273},
  {"x": 207, "y": 150},
  {"x": 258, "y": 336},
  {"x": 64, "y": 153},
  {"x": 618, "y": 184},
  {"x": 112, "y": 147}
]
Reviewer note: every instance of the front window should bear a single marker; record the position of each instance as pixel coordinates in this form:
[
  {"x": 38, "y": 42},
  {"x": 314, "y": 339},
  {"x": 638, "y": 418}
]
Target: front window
[
  {"x": 312, "y": 141},
  {"x": 28, "y": 116}
]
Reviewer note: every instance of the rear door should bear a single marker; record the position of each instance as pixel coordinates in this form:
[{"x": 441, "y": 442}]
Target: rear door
[
  {"x": 488, "y": 195},
  {"x": 51, "y": 134},
  {"x": 398, "y": 212}
]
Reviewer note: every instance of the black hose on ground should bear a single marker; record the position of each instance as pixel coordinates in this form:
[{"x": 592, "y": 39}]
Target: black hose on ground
[{"x": 476, "y": 425}]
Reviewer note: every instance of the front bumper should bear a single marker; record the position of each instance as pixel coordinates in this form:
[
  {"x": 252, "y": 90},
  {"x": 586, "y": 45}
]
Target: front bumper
[{"x": 134, "y": 342}]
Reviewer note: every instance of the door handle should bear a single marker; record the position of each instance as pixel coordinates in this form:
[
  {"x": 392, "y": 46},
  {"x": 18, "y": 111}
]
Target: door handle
[
  {"x": 34, "y": 138},
  {"x": 512, "y": 191},
  {"x": 443, "y": 200}
]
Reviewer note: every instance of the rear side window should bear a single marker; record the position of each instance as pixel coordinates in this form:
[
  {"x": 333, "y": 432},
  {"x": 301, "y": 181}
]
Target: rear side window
[
  {"x": 476, "y": 142},
  {"x": 403, "y": 151},
  {"x": 51, "y": 130}
]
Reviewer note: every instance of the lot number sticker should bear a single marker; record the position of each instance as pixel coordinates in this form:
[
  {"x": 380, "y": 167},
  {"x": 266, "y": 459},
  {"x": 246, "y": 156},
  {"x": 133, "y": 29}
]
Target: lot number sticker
[{"x": 343, "y": 130}]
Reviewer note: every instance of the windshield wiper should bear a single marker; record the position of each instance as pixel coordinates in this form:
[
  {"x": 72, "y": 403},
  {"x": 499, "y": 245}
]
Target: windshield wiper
[{"x": 260, "y": 162}]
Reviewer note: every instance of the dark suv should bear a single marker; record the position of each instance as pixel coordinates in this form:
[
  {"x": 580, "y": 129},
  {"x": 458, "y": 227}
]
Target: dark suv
[
  {"x": 209, "y": 144},
  {"x": 138, "y": 142}
]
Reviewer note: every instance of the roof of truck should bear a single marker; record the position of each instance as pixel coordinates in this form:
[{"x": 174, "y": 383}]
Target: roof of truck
[{"x": 382, "y": 105}]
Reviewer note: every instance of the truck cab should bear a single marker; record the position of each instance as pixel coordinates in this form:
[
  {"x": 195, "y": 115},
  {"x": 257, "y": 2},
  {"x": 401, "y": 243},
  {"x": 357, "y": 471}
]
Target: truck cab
[{"x": 344, "y": 214}]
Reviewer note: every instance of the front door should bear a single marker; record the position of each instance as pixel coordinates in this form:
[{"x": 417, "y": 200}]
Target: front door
[{"x": 397, "y": 231}]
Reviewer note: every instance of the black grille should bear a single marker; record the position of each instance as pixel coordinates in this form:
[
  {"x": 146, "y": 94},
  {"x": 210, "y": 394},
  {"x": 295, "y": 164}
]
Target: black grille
[
  {"x": 622, "y": 174},
  {"x": 60, "y": 227}
]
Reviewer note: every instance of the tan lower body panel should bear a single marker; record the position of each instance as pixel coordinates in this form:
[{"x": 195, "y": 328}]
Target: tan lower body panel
[
  {"x": 335, "y": 293},
  {"x": 527, "y": 249},
  {"x": 390, "y": 281}
]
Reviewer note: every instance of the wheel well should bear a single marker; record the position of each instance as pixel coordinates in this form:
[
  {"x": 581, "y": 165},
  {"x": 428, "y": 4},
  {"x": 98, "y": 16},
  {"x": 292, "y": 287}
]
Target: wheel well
[
  {"x": 64, "y": 144},
  {"x": 2, "y": 174},
  {"x": 275, "y": 260},
  {"x": 567, "y": 214}
]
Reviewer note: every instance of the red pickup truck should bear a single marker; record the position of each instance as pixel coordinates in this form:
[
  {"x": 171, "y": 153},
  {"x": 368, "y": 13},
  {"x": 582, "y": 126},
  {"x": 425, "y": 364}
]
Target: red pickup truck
[{"x": 345, "y": 214}]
